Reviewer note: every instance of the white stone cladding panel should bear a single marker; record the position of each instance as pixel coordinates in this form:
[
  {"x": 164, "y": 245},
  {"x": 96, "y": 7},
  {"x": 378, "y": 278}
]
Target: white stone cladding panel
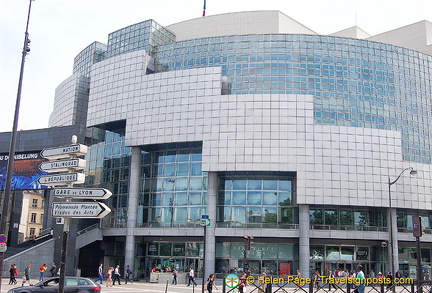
[
  {"x": 171, "y": 106},
  {"x": 114, "y": 83},
  {"x": 70, "y": 102}
]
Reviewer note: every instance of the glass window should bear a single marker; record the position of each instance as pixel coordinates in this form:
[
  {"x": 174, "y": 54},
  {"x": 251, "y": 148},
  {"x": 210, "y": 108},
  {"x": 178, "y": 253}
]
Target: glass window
[
  {"x": 239, "y": 215},
  {"x": 362, "y": 253},
  {"x": 254, "y": 198},
  {"x": 332, "y": 253},
  {"x": 331, "y": 217},
  {"x": 347, "y": 253},
  {"x": 317, "y": 252},
  {"x": 179, "y": 249},
  {"x": 239, "y": 185},
  {"x": 270, "y": 198},
  {"x": 165, "y": 249},
  {"x": 195, "y": 198},
  {"x": 239, "y": 198}
]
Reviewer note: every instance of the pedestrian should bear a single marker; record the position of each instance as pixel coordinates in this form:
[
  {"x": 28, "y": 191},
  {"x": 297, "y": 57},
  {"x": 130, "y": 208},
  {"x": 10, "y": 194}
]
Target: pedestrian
[
  {"x": 12, "y": 279},
  {"x": 360, "y": 279},
  {"x": 243, "y": 283},
  {"x": 210, "y": 284},
  {"x": 317, "y": 278},
  {"x": 16, "y": 271},
  {"x": 191, "y": 277},
  {"x": 109, "y": 282},
  {"x": 128, "y": 274},
  {"x": 298, "y": 278},
  {"x": 117, "y": 275},
  {"x": 263, "y": 286},
  {"x": 390, "y": 276},
  {"x": 26, "y": 276},
  {"x": 372, "y": 274},
  {"x": 42, "y": 270},
  {"x": 331, "y": 280},
  {"x": 53, "y": 270},
  {"x": 175, "y": 273},
  {"x": 100, "y": 274}
]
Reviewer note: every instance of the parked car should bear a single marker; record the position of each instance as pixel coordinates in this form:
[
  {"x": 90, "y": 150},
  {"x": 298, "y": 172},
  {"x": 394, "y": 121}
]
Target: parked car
[{"x": 72, "y": 284}]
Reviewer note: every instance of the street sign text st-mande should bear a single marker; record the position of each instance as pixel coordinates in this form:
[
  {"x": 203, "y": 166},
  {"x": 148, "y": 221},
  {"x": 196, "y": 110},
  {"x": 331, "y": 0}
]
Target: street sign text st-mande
[
  {"x": 90, "y": 193},
  {"x": 80, "y": 209}
]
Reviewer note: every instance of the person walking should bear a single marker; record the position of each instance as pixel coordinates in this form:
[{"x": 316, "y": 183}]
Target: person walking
[
  {"x": 42, "y": 270},
  {"x": 117, "y": 275},
  {"x": 128, "y": 273},
  {"x": 175, "y": 273},
  {"x": 243, "y": 283},
  {"x": 53, "y": 270},
  {"x": 100, "y": 274},
  {"x": 361, "y": 279},
  {"x": 109, "y": 282},
  {"x": 12, "y": 279},
  {"x": 191, "y": 277},
  {"x": 210, "y": 284},
  {"x": 26, "y": 276},
  {"x": 331, "y": 280}
]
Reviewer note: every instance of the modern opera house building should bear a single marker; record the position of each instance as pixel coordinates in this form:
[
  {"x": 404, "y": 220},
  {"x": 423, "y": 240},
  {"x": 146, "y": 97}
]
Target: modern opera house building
[{"x": 308, "y": 143}]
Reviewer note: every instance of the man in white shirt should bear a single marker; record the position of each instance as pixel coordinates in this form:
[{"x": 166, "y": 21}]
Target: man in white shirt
[
  {"x": 116, "y": 275},
  {"x": 191, "y": 277}
]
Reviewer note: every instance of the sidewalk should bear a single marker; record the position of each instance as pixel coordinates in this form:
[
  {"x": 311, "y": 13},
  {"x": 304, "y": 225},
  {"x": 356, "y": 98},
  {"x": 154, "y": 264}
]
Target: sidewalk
[{"x": 130, "y": 288}]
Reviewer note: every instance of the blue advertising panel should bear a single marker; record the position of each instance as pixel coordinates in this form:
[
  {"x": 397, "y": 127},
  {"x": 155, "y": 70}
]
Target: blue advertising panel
[{"x": 25, "y": 173}]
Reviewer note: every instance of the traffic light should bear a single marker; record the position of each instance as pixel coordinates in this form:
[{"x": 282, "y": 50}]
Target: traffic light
[
  {"x": 417, "y": 226},
  {"x": 248, "y": 242}
]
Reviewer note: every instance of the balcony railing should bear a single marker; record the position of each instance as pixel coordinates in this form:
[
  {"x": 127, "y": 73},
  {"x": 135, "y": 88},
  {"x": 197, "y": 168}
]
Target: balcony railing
[{"x": 348, "y": 228}]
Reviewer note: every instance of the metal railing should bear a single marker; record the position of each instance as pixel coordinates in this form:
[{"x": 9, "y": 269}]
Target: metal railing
[
  {"x": 348, "y": 228},
  {"x": 87, "y": 229}
]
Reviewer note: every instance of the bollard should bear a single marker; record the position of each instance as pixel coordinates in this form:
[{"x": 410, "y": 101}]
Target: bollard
[{"x": 166, "y": 287}]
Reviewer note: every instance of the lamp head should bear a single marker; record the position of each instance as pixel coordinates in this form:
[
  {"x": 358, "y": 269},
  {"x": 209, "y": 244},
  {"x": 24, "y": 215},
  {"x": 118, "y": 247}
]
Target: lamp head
[{"x": 413, "y": 172}]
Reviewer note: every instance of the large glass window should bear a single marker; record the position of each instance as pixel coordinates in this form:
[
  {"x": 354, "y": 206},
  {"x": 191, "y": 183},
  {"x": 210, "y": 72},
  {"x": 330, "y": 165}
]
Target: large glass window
[
  {"x": 255, "y": 200},
  {"x": 343, "y": 218},
  {"x": 173, "y": 190}
]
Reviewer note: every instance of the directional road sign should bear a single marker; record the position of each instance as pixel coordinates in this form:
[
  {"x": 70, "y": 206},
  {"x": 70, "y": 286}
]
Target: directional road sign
[
  {"x": 80, "y": 209},
  {"x": 205, "y": 222},
  {"x": 62, "y": 165},
  {"x": 62, "y": 179},
  {"x": 90, "y": 193},
  {"x": 64, "y": 152}
]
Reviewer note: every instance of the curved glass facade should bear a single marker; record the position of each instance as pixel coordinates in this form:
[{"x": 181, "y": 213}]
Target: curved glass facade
[{"x": 355, "y": 83}]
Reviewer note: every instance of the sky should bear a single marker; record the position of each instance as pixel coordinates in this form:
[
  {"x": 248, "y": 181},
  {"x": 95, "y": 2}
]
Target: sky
[{"x": 60, "y": 29}]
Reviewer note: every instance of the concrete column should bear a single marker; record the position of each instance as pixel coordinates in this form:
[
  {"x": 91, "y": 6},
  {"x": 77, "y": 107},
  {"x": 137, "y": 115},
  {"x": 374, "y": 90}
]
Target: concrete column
[
  {"x": 134, "y": 183},
  {"x": 304, "y": 246},
  {"x": 210, "y": 251}
]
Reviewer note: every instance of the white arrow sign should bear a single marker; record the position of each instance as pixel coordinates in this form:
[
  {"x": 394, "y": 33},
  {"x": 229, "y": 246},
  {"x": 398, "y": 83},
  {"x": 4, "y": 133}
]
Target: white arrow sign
[
  {"x": 90, "y": 193},
  {"x": 80, "y": 209},
  {"x": 64, "y": 152},
  {"x": 62, "y": 165},
  {"x": 62, "y": 179}
]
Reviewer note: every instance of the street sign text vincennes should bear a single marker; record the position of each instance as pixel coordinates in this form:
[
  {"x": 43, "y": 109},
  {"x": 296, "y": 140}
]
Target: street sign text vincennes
[{"x": 80, "y": 209}]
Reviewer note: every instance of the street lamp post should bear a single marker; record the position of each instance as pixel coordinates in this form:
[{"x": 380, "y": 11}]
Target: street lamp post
[
  {"x": 8, "y": 184},
  {"x": 391, "y": 240}
]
